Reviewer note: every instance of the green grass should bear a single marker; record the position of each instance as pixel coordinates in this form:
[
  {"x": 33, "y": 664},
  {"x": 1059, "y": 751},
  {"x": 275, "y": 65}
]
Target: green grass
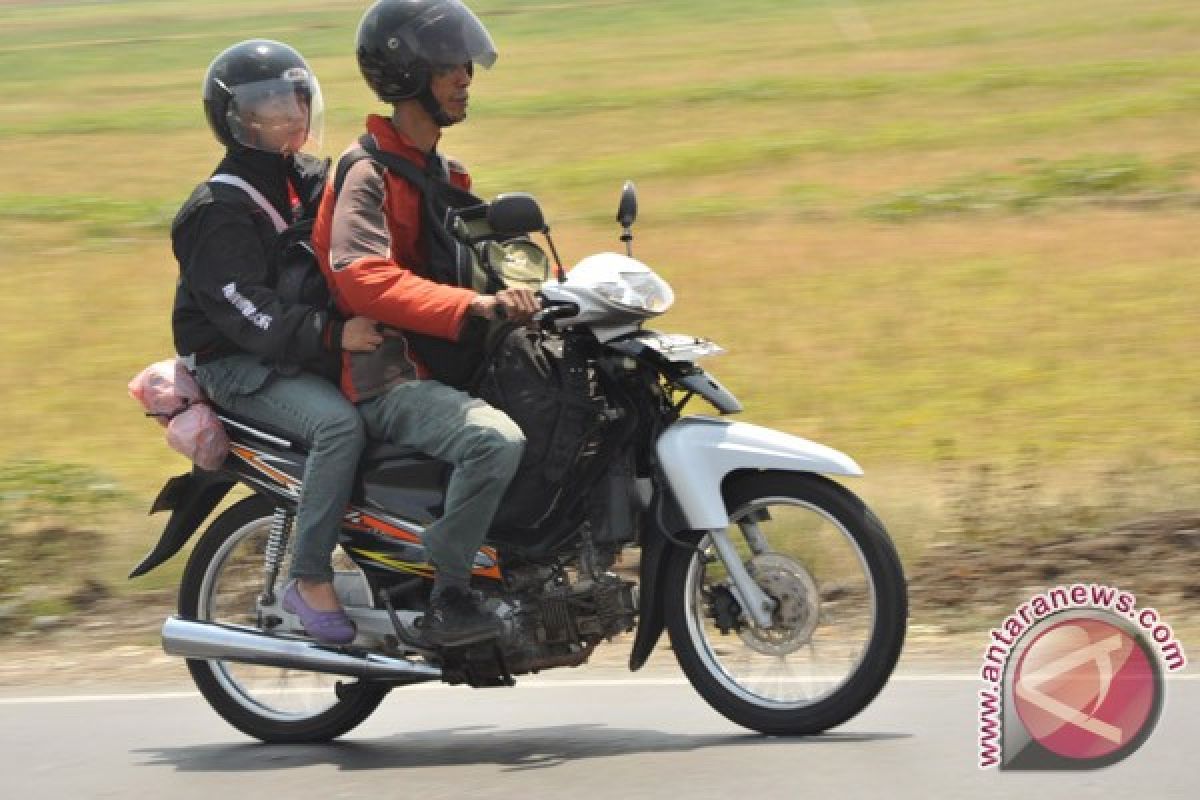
[
  {"x": 1117, "y": 180},
  {"x": 916, "y": 224}
]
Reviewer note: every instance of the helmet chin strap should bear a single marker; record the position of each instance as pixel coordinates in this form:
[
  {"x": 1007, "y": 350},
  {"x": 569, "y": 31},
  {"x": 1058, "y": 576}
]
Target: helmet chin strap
[{"x": 434, "y": 108}]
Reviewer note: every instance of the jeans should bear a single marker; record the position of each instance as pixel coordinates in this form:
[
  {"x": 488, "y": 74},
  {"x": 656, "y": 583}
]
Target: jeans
[
  {"x": 315, "y": 412},
  {"x": 483, "y": 445}
]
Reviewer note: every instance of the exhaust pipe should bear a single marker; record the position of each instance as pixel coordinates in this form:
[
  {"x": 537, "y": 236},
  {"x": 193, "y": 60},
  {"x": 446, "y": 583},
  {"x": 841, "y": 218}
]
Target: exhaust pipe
[{"x": 212, "y": 640}]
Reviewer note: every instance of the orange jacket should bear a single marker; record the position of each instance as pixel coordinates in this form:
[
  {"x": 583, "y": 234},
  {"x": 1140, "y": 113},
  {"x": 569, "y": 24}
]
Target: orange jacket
[{"x": 368, "y": 241}]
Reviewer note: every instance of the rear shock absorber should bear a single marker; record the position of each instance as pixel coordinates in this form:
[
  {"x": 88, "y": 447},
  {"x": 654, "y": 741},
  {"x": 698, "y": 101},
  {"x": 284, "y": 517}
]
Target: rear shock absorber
[{"x": 277, "y": 541}]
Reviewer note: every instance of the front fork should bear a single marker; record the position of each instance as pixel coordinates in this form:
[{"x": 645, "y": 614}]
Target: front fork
[{"x": 753, "y": 600}]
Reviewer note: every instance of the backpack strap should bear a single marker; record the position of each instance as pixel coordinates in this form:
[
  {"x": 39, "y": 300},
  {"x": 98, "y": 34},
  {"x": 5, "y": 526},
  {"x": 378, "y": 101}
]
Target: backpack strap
[
  {"x": 255, "y": 195},
  {"x": 397, "y": 165},
  {"x": 366, "y": 148}
]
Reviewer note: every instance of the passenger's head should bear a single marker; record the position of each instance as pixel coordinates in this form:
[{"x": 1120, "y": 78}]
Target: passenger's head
[
  {"x": 424, "y": 50},
  {"x": 261, "y": 95}
]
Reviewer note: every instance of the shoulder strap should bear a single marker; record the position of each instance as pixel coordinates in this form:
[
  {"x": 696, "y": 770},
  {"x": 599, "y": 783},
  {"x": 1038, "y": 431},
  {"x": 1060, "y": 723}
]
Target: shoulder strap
[
  {"x": 397, "y": 165},
  {"x": 255, "y": 195},
  {"x": 366, "y": 148},
  {"x": 421, "y": 179}
]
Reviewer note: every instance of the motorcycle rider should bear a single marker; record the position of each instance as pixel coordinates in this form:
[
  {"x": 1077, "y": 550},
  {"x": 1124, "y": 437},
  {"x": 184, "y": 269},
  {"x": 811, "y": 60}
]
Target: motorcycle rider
[
  {"x": 419, "y": 56},
  {"x": 245, "y": 345}
]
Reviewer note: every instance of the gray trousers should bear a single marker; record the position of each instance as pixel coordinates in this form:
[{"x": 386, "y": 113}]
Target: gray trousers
[
  {"x": 315, "y": 412},
  {"x": 482, "y": 444}
]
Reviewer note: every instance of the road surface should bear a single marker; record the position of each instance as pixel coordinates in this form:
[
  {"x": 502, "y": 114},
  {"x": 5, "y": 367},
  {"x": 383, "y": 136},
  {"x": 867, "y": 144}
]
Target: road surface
[{"x": 583, "y": 737}]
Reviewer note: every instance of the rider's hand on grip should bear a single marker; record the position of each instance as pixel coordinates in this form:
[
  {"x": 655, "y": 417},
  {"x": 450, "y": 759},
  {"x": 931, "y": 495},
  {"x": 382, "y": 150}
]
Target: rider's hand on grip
[{"x": 518, "y": 305}]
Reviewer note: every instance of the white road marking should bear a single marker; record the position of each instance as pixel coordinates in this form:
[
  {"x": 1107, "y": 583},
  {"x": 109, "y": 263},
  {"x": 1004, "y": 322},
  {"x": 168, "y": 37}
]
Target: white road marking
[{"x": 438, "y": 687}]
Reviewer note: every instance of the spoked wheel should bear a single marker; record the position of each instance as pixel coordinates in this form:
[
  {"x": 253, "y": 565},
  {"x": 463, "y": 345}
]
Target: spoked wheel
[
  {"x": 222, "y": 583},
  {"x": 839, "y": 607}
]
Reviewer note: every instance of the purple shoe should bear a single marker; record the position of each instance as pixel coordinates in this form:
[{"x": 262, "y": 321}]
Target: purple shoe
[{"x": 327, "y": 627}]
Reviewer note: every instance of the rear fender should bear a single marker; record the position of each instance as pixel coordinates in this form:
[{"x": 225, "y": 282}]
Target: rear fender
[{"x": 190, "y": 498}]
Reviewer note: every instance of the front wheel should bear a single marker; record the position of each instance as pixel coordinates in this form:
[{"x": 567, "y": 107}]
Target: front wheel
[
  {"x": 840, "y": 606},
  {"x": 221, "y": 583}
]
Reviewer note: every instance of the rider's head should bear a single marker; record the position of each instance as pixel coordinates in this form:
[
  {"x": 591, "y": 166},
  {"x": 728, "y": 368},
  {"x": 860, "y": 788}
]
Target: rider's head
[
  {"x": 424, "y": 50},
  {"x": 261, "y": 95}
]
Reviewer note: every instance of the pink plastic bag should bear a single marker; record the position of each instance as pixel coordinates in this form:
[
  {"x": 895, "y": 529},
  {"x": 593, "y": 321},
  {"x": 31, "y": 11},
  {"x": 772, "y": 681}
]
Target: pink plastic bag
[
  {"x": 199, "y": 435},
  {"x": 171, "y": 395}
]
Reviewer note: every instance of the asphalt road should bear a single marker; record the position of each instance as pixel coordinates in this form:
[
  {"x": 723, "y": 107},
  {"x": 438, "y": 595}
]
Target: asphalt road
[{"x": 630, "y": 737}]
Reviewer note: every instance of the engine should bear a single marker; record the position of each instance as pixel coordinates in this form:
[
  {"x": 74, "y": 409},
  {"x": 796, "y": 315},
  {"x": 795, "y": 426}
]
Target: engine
[{"x": 553, "y": 621}]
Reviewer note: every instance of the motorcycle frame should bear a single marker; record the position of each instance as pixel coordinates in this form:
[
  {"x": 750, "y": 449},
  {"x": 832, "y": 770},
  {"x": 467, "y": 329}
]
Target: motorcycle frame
[{"x": 400, "y": 491}]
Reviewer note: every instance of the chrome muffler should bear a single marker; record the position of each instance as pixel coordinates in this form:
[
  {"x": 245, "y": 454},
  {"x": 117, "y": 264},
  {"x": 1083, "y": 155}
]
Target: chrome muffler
[{"x": 213, "y": 640}]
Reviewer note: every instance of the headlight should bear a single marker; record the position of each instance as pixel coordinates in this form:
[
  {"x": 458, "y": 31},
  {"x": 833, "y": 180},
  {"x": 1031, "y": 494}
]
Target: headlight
[
  {"x": 641, "y": 291},
  {"x": 621, "y": 282}
]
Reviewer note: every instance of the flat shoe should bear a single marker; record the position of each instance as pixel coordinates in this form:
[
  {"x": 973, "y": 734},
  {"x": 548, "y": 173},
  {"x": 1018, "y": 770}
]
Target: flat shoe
[{"x": 327, "y": 627}]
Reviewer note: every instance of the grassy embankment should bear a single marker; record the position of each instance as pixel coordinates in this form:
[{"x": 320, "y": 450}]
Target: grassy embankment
[{"x": 954, "y": 239}]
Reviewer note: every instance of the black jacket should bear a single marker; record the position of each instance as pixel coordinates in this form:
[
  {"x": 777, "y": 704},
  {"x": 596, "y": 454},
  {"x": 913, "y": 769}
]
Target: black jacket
[{"x": 225, "y": 301}]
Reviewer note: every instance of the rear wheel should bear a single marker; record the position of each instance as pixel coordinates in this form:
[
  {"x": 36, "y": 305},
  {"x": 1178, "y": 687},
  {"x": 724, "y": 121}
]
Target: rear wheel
[
  {"x": 221, "y": 583},
  {"x": 840, "y": 607}
]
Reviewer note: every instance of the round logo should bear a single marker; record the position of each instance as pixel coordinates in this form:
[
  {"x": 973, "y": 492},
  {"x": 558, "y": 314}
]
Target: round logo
[{"x": 1086, "y": 689}]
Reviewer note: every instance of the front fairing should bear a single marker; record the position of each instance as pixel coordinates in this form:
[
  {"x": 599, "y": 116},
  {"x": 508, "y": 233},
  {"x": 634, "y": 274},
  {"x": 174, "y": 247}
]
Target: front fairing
[{"x": 615, "y": 294}]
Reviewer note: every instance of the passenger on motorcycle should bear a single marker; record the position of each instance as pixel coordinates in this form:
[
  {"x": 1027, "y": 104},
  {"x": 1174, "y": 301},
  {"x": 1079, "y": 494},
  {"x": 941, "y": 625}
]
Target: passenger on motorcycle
[
  {"x": 419, "y": 57},
  {"x": 247, "y": 347}
]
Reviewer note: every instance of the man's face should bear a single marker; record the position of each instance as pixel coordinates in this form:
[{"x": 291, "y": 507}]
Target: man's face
[{"x": 449, "y": 85}]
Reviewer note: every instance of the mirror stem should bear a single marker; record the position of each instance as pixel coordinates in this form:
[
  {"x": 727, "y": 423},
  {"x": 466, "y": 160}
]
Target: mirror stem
[
  {"x": 627, "y": 238},
  {"x": 562, "y": 275}
]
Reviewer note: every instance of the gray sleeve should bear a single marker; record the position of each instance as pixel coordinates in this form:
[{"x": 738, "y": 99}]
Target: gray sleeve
[{"x": 360, "y": 226}]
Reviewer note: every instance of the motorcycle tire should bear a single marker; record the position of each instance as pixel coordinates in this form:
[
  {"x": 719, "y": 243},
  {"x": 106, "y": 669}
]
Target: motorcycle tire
[
  {"x": 349, "y": 703},
  {"x": 702, "y": 634}
]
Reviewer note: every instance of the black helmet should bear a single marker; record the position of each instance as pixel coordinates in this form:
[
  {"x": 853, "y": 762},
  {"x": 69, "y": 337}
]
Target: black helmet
[
  {"x": 262, "y": 95},
  {"x": 401, "y": 42}
]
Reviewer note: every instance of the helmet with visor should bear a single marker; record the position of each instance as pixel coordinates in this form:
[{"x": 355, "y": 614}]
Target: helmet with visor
[
  {"x": 261, "y": 95},
  {"x": 403, "y": 43}
]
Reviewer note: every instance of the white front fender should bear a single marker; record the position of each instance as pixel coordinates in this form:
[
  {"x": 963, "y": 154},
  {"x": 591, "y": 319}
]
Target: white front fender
[{"x": 697, "y": 453}]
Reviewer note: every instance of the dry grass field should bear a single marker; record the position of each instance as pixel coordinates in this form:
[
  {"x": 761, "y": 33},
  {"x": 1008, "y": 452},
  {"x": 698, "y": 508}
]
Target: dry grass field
[{"x": 955, "y": 239}]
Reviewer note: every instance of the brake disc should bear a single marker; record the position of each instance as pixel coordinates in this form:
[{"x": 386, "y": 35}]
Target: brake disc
[{"x": 797, "y": 605}]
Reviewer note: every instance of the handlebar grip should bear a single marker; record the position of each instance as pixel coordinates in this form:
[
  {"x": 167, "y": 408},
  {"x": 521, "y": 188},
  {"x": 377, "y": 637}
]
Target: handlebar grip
[{"x": 554, "y": 311}]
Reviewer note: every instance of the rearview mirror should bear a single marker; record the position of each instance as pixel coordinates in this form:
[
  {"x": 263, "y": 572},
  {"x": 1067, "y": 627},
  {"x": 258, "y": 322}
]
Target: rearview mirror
[
  {"x": 515, "y": 213},
  {"x": 627, "y": 210}
]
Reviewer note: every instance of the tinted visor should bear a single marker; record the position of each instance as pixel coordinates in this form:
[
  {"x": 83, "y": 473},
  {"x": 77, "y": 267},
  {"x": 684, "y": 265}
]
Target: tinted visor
[
  {"x": 280, "y": 115},
  {"x": 448, "y": 34}
]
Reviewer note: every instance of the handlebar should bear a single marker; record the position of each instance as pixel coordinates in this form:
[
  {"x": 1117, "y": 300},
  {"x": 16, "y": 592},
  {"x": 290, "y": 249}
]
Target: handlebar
[{"x": 552, "y": 311}]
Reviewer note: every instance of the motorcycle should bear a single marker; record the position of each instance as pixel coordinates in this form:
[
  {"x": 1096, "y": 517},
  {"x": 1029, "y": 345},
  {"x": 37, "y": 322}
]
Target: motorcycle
[{"x": 782, "y": 595}]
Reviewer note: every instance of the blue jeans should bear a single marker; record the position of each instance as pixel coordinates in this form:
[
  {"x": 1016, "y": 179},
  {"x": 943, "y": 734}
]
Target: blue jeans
[
  {"x": 316, "y": 413},
  {"x": 483, "y": 445}
]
